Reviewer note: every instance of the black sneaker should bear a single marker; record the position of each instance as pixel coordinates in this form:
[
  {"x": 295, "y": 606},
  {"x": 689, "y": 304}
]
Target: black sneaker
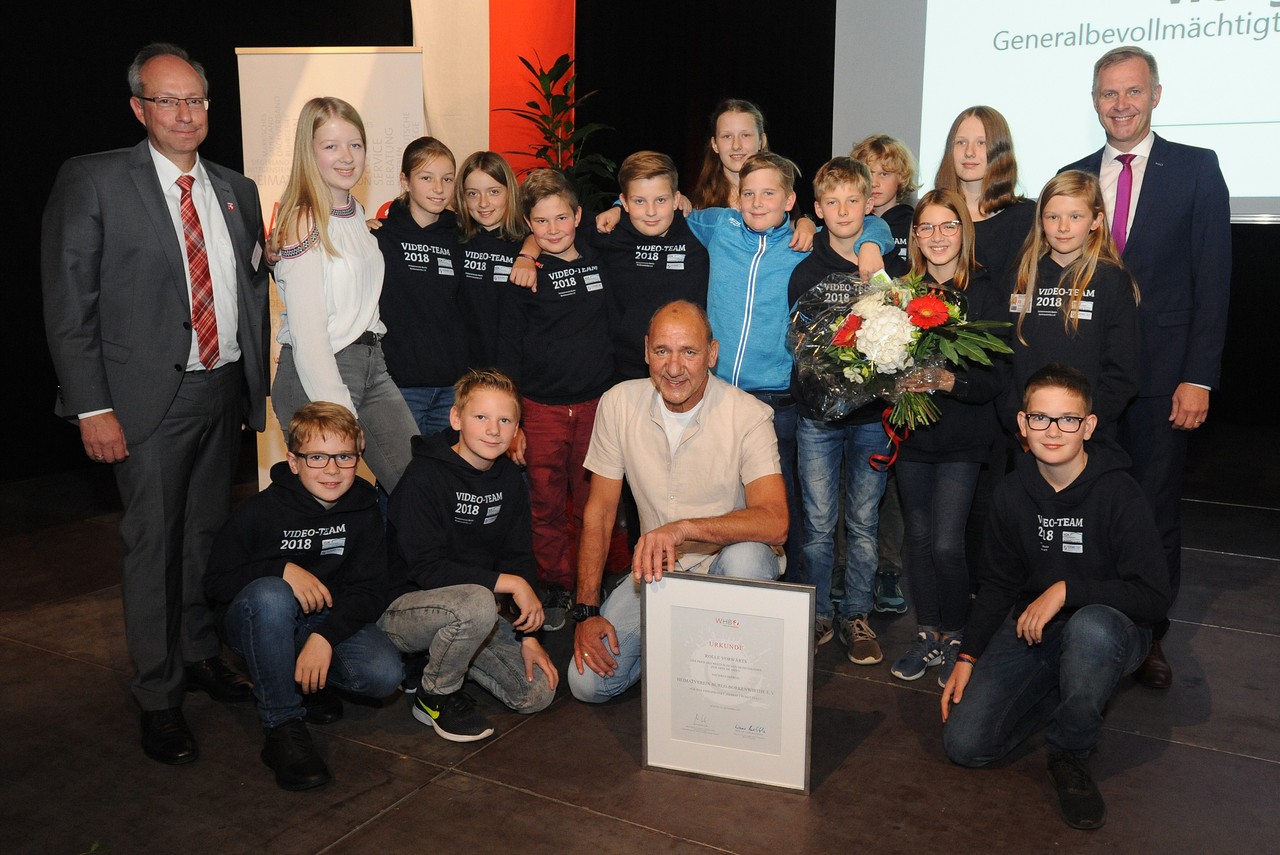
[
  {"x": 1082, "y": 804},
  {"x": 556, "y": 602},
  {"x": 292, "y": 755},
  {"x": 322, "y": 706},
  {"x": 414, "y": 665},
  {"x": 453, "y": 716}
]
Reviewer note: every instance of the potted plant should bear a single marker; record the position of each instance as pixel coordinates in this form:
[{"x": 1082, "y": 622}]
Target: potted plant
[{"x": 561, "y": 139}]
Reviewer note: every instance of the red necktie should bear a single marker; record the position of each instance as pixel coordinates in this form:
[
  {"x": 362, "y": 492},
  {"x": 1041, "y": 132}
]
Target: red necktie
[
  {"x": 1124, "y": 189},
  {"x": 202, "y": 315}
]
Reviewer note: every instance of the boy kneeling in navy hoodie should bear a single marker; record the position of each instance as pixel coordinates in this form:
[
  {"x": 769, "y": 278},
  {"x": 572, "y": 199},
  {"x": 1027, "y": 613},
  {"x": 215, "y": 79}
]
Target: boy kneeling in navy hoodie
[
  {"x": 300, "y": 572},
  {"x": 1071, "y": 579},
  {"x": 460, "y": 533}
]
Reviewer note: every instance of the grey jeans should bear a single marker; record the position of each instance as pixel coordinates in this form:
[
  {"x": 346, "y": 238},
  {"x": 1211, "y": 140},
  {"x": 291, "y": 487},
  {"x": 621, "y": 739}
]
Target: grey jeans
[
  {"x": 459, "y": 628},
  {"x": 388, "y": 425}
]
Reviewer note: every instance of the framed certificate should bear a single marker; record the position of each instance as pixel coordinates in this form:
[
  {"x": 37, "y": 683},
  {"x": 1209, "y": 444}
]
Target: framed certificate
[{"x": 728, "y": 678}]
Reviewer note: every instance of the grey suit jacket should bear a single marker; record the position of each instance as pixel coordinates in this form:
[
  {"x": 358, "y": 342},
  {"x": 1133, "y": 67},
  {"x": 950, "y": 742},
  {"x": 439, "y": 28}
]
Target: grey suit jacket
[{"x": 116, "y": 304}]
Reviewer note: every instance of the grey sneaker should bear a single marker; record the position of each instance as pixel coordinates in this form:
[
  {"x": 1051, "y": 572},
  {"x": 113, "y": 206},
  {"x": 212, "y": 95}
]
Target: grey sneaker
[
  {"x": 822, "y": 632},
  {"x": 924, "y": 653},
  {"x": 861, "y": 641}
]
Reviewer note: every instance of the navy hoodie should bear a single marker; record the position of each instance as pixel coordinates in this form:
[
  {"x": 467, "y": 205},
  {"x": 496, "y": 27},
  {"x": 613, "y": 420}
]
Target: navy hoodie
[
  {"x": 966, "y": 424},
  {"x": 486, "y": 274},
  {"x": 556, "y": 342},
  {"x": 343, "y": 546},
  {"x": 453, "y": 524},
  {"x": 645, "y": 273},
  {"x": 1097, "y": 535},
  {"x": 426, "y": 343}
]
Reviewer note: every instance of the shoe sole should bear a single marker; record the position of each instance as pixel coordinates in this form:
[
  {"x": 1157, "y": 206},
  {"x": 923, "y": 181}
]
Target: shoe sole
[
  {"x": 891, "y": 610},
  {"x": 170, "y": 760},
  {"x": 425, "y": 717},
  {"x": 866, "y": 661},
  {"x": 297, "y": 786}
]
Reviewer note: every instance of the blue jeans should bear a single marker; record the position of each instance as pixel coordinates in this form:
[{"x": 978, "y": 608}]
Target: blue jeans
[
  {"x": 459, "y": 627},
  {"x": 821, "y": 448},
  {"x": 388, "y": 425},
  {"x": 267, "y": 627},
  {"x": 936, "y": 498},
  {"x": 429, "y": 406},
  {"x": 622, "y": 609},
  {"x": 784, "y": 427},
  {"x": 1063, "y": 682}
]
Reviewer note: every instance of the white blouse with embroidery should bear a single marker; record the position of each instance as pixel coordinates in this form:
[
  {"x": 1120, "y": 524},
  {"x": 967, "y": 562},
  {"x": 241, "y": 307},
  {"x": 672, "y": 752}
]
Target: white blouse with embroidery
[{"x": 330, "y": 301}]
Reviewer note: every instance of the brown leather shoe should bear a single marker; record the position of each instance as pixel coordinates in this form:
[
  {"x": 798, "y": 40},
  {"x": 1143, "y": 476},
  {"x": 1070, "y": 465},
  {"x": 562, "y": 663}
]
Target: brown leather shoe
[{"x": 1154, "y": 672}]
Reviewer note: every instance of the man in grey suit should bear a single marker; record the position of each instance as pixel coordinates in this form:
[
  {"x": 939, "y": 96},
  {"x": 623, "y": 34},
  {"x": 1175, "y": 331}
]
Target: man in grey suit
[
  {"x": 1170, "y": 212},
  {"x": 155, "y": 302}
]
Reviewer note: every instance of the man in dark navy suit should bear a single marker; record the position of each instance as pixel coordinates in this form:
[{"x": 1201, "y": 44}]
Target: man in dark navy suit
[{"x": 1174, "y": 233}]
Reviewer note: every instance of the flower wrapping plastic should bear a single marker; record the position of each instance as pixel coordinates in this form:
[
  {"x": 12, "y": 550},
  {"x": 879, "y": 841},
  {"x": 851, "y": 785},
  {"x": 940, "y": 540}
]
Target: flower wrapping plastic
[{"x": 854, "y": 342}]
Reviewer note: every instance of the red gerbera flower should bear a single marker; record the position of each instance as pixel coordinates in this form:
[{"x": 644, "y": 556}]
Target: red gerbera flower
[
  {"x": 927, "y": 312},
  {"x": 848, "y": 333}
]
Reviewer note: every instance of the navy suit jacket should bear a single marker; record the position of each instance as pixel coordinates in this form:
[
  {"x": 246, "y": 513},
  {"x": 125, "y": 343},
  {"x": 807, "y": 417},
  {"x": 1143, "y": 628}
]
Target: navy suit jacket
[
  {"x": 116, "y": 302},
  {"x": 1179, "y": 251}
]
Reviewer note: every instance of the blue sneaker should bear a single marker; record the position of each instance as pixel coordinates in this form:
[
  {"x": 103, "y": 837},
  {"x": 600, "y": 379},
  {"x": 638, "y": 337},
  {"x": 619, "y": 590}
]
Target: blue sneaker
[
  {"x": 889, "y": 594},
  {"x": 924, "y": 653},
  {"x": 950, "y": 650}
]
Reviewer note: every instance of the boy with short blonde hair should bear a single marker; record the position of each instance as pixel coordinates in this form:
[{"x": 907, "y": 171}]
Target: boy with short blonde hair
[
  {"x": 834, "y": 453},
  {"x": 459, "y": 535},
  {"x": 556, "y": 343}
]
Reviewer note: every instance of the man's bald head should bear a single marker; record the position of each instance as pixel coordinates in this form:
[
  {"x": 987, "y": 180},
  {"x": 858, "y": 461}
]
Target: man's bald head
[
  {"x": 682, "y": 310},
  {"x": 681, "y": 353}
]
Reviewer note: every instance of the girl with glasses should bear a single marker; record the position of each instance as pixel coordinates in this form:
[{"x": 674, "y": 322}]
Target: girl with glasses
[{"x": 938, "y": 465}]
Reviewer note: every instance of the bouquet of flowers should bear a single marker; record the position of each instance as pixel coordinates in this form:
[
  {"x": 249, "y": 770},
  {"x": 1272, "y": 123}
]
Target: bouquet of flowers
[{"x": 856, "y": 341}]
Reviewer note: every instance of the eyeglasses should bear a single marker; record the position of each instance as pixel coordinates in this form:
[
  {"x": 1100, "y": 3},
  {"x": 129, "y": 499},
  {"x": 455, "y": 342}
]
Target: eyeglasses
[
  {"x": 164, "y": 102},
  {"x": 948, "y": 228},
  {"x": 319, "y": 460},
  {"x": 1066, "y": 424}
]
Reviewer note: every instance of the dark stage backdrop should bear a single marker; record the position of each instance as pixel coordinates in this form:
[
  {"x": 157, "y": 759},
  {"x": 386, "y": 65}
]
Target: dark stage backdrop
[{"x": 659, "y": 66}]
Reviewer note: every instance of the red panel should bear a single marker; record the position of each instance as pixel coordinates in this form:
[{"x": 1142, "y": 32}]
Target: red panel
[{"x": 535, "y": 30}]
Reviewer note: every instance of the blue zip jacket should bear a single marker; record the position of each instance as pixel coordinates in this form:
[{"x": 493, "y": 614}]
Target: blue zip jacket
[{"x": 747, "y": 294}]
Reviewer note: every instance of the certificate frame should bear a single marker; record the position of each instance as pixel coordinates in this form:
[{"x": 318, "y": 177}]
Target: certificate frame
[{"x": 728, "y": 679}]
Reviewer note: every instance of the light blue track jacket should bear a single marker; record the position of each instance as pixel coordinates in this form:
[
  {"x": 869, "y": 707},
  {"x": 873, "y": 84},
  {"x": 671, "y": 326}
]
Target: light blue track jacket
[{"x": 747, "y": 294}]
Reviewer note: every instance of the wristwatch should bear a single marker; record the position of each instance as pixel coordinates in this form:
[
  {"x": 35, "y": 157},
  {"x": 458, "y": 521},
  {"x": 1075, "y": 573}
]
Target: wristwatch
[{"x": 582, "y": 611}]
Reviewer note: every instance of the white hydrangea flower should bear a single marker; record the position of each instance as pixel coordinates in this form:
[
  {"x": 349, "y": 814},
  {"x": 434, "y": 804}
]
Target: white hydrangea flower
[
  {"x": 884, "y": 339},
  {"x": 870, "y": 305}
]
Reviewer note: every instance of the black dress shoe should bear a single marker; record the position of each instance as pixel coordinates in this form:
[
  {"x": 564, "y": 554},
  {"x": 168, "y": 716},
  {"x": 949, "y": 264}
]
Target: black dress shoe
[
  {"x": 292, "y": 755},
  {"x": 1154, "y": 672},
  {"x": 166, "y": 737},
  {"x": 323, "y": 706},
  {"x": 216, "y": 677}
]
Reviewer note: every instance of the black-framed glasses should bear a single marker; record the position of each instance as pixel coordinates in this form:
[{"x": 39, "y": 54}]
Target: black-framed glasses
[
  {"x": 165, "y": 102},
  {"x": 1066, "y": 424},
  {"x": 319, "y": 459},
  {"x": 949, "y": 228}
]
